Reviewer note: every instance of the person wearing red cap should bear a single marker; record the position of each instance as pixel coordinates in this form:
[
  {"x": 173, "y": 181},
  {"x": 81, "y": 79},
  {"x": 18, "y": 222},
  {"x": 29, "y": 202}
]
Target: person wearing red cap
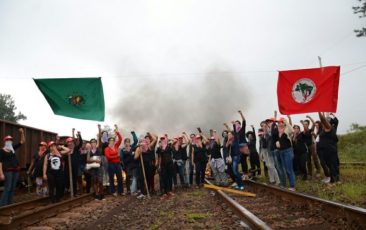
[
  {"x": 165, "y": 167},
  {"x": 199, "y": 157},
  {"x": 36, "y": 169},
  {"x": 217, "y": 163},
  {"x": 9, "y": 167},
  {"x": 53, "y": 170},
  {"x": 179, "y": 163},
  {"x": 267, "y": 153},
  {"x": 74, "y": 145},
  {"x": 147, "y": 150},
  {"x": 286, "y": 153}
]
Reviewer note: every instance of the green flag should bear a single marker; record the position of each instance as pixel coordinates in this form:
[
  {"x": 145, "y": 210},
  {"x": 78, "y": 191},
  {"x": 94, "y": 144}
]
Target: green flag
[{"x": 74, "y": 97}]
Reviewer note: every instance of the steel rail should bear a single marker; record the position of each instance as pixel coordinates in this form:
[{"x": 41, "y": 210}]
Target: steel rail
[
  {"x": 38, "y": 214},
  {"x": 352, "y": 214},
  {"x": 249, "y": 218}
]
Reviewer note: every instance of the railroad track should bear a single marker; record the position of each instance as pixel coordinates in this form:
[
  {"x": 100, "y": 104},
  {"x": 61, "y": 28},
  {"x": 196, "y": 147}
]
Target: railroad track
[
  {"x": 276, "y": 208},
  {"x": 26, "y": 213}
]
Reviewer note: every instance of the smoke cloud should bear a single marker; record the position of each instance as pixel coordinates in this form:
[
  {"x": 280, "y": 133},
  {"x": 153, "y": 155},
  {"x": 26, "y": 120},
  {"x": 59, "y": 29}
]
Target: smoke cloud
[{"x": 176, "y": 104}]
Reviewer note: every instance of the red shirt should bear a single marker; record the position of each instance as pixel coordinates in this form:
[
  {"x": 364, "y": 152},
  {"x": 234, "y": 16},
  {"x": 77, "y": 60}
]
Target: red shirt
[{"x": 112, "y": 154}]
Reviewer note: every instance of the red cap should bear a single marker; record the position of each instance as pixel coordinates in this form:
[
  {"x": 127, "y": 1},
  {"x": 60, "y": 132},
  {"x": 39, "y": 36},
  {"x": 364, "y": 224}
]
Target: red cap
[
  {"x": 282, "y": 119},
  {"x": 43, "y": 143},
  {"x": 7, "y": 138},
  {"x": 69, "y": 139},
  {"x": 51, "y": 143}
]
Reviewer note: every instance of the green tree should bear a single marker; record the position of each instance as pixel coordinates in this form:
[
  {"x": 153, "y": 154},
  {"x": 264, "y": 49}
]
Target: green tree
[
  {"x": 7, "y": 109},
  {"x": 360, "y": 10}
]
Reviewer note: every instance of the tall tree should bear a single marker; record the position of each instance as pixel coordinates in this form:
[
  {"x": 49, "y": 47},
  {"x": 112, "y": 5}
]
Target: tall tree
[
  {"x": 360, "y": 10},
  {"x": 8, "y": 108}
]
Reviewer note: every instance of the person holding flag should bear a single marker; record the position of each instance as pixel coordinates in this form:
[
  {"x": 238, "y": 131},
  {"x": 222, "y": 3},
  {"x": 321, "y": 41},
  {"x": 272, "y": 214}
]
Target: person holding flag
[{"x": 328, "y": 147}]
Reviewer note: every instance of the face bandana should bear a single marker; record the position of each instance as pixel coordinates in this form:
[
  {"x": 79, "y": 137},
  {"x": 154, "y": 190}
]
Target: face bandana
[
  {"x": 164, "y": 143},
  {"x": 9, "y": 146},
  {"x": 237, "y": 127},
  {"x": 105, "y": 137},
  {"x": 212, "y": 144}
]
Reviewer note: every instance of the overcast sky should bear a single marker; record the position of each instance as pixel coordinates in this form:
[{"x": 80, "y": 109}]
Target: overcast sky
[{"x": 181, "y": 43}]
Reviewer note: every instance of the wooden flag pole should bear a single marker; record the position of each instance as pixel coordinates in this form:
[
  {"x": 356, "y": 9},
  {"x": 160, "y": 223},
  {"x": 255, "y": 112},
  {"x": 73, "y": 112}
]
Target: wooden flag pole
[
  {"x": 143, "y": 172},
  {"x": 230, "y": 190},
  {"x": 70, "y": 176},
  {"x": 321, "y": 65}
]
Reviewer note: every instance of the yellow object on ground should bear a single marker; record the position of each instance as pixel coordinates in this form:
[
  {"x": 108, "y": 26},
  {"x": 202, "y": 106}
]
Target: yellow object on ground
[{"x": 230, "y": 190}]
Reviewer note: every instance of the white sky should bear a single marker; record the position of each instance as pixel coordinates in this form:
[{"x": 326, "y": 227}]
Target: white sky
[{"x": 126, "y": 42}]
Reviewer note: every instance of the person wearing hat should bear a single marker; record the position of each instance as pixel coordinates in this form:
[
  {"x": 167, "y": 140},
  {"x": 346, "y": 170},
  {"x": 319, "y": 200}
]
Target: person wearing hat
[
  {"x": 239, "y": 147},
  {"x": 199, "y": 158},
  {"x": 285, "y": 152},
  {"x": 165, "y": 167},
  {"x": 74, "y": 145},
  {"x": 273, "y": 150},
  {"x": 217, "y": 163},
  {"x": 178, "y": 162},
  {"x": 114, "y": 163},
  {"x": 129, "y": 163},
  {"x": 94, "y": 163},
  {"x": 264, "y": 150},
  {"x": 53, "y": 170},
  {"x": 36, "y": 169},
  {"x": 9, "y": 167}
]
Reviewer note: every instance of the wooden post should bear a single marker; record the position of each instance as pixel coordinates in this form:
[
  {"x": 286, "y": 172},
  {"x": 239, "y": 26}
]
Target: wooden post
[
  {"x": 70, "y": 176},
  {"x": 143, "y": 172}
]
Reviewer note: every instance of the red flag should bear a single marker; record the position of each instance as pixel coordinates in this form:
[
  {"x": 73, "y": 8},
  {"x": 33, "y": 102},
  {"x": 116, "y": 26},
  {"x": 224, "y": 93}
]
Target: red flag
[{"x": 308, "y": 90}]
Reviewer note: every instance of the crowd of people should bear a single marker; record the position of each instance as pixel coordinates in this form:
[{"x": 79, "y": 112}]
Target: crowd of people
[{"x": 286, "y": 151}]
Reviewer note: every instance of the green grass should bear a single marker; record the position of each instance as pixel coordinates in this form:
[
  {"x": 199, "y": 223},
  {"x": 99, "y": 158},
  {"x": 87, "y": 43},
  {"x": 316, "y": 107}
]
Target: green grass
[
  {"x": 197, "y": 216},
  {"x": 197, "y": 194},
  {"x": 352, "y": 190},
  {"x": 352, "y": 146}
]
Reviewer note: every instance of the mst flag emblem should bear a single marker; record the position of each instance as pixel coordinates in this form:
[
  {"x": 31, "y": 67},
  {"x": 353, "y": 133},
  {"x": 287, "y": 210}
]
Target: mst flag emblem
[
  {"x": 303, "y": 90},
  {"x": 76, "y": 100}
]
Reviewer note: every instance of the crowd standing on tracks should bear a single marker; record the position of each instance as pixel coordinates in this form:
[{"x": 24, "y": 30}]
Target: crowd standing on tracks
[{"x": 286, "y": 151}]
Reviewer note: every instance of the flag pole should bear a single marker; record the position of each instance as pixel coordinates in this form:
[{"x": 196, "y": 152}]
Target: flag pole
[
  {"x": 143, "y": 172},
  {"x": 321, "y": 66},
  {"x": 320, "y": 61},
  {"x": 70, "y": 176}
]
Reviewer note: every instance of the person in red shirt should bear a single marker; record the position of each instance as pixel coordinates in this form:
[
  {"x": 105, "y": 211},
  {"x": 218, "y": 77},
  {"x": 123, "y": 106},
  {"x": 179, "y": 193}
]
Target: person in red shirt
[{"x": 114, "y": 167}]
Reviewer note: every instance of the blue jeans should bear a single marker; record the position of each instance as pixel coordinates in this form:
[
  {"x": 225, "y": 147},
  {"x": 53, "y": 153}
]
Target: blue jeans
[
  {"x": 180, "y": 170},
  {"x": 115, "y": 169},
  {"x": 279, "y": 167},
  {"x": 236, "y": 162},
  {"x": 11, "y": 179},
  {"x": 287, "y": 157}
]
